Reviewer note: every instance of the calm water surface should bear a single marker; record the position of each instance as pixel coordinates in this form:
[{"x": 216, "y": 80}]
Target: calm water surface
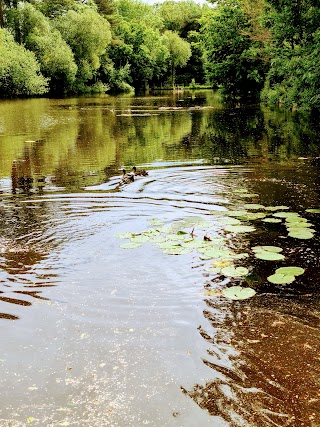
[{"x": 97, "y": 335}]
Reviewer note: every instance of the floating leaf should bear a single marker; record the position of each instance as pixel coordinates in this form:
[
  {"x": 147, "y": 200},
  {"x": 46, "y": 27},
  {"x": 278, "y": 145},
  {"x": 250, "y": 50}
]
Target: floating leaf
[
  {"x": 238, "y": 293},
  {"x": 272, "y": 220},
  {"x": 313, "y": 210},
  {"x": 196, "y": 243},
  {"x": 222, "y": 263},
  {"x": 286, "y": 214},
  {"x": 296, "y": 219},
  {"x": 276, "y": 208},
  {"x": 281, "y": 279},
  {"x": 125, "y": 235},
  {"x": 301, "y": 234},
  {"x": 251, "y": 216},
  {"x": 130, "y": 245},
  {"x": 269, "y": 256},
  {"x": 182, "y": 232},
  {"x": 240, "y": 190},
  {"x": 229, "y": 221},
  {"x": 237, "y": 213},
  {"x": 254, "y": 206},
  {"x": 214, "y": 270},
  {"x": 249, "y": 195},
  {"x": 240, "y": 228},
  {"x": 234, "y": 271},
  {"x": 275, "y": 249},
  {"x": 215, "y": 253},
  {"x": 290, "y": 271}
]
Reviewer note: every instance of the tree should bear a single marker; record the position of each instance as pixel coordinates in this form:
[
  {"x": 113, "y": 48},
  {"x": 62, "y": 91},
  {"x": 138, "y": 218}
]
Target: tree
[
  {"x": 19, "y": 69},
  {"x": 88, "y": 34},
  {"x": 233, "y": 60},
  {"x": 54, "y": 55},
  {"x": 180, "y": 52}
]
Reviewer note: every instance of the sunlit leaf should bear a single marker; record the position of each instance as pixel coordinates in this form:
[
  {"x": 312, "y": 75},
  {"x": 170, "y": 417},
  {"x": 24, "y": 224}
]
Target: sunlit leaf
[
  {"x": 301, "y": 234},
  {"x": 229, "y": 221},
  {"x": 211, "y": 292},
  {"x": 125, "y": 235},
  {"x": 249, "y": 195},
  {"x": 269, "y": 256},
  {"x": 272, "y": 220},
  {"x": 237, "y": 213},
  {"x": 251, "y": 216},
  {"x": 254, "y": 206},
  {"x": 313, "y": 210},
  {"x": 286, "y": 214},
  {"x": 240, "y": 228},
  {"x": 234, "y": 271},
  {"x": 281, "y": 279},
  {"x": 238, "y": 293},
  {"x": 177, "y": 251},
  {"x": 291, "y": 271},
  {"x": 276, "y": 208}
]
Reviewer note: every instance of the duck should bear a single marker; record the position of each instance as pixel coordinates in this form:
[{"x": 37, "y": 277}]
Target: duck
[
  {"x": 139, "y": 172},
  {"x": 127, "y": 177}
]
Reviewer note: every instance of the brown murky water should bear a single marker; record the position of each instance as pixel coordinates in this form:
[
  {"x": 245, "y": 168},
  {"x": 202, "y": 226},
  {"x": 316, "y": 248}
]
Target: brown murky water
[{"x": 94, "y": 334}]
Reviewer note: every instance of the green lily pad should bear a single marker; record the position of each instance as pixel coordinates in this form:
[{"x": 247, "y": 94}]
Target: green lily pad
[
  {"x": 237, "y": 213},
  {"x": 251, "y": 216},
  {"x": 290, "y": 271},
  {"x": 296, "y": 219},
  {"x": 195, "y": 244},
  {"x": 276, "y": 208},
  {"x": 238, "y": 293},
  {"x": 130, "y": 245},
  {"x": 229, "y": 221},
  {"x": 303, "y": 234},
  {"x": 275, "y": 249},
  {"x": 286, "y": 214},
  {"x": 313, "y": 210},
  {"x": 218, "y": 253},
  {"x": 269, "y": 256},
  {"x": 254, "y": 206},
  {"x": 249, "y": 195},
  {"x": 272, "y": 220},
  {"x": 240, "y": 228},
  {"x": 281, "y": 279},
  {"x": 125, "y": 235},
  {"x": 234, "y": 271}
]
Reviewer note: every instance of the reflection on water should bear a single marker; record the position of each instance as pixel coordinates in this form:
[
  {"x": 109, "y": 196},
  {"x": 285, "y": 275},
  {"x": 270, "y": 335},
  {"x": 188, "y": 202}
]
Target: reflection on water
[{"x": 99, "y": 326}]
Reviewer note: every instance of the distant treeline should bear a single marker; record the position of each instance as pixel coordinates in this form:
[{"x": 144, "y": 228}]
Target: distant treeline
[{"x": 250, "y": 49}]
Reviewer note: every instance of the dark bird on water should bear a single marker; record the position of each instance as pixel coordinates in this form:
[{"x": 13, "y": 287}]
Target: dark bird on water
[
  {"x": 127, "y": 177},
  {"x": 139, "y": 172}
]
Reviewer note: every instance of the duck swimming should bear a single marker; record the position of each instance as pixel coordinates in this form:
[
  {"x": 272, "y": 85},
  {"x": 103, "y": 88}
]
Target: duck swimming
[
  {"x": 139, "y": 172},
  {"x": 127, "y": 177}
]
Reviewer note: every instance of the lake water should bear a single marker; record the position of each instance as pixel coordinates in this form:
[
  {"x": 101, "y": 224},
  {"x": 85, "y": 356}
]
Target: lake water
[{"x": 95, "y": 334}]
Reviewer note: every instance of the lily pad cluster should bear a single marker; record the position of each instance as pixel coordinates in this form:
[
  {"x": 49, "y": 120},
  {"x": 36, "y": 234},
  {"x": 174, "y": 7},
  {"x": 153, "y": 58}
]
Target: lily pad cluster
[
  {"x": 285, "y": 275},
  {"x": 297, "y": 226},
  {"x": 268, "y": 253}
]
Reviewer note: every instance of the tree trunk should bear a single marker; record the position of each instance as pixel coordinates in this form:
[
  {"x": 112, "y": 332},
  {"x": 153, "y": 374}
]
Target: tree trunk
[{"x": 1, "y": 14}]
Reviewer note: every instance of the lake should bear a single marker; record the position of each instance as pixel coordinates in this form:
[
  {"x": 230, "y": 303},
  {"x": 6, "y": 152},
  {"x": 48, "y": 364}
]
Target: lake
[{"x": 118, "y": 304}]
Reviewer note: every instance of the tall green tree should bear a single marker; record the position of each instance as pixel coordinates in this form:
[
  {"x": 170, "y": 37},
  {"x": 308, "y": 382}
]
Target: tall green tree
[
  {"x": 233, "y": 59},
  {"x": 180, "y": 52},
  {"x": 88, "y": 34},
  {"x": 19, "y": 70}
]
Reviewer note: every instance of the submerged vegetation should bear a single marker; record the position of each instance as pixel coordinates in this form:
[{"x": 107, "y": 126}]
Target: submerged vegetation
[{"x": 249, "y": 49}]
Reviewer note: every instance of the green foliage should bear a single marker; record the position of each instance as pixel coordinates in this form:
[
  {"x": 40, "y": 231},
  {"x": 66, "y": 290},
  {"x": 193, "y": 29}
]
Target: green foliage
[
  {"x": 232, "y": 59},
  {"x": 179, "y": 49},
  {"x": 293, "y": 80},
  {"x": 53, "y": 53},
  {"x": 19, "y": 70},
  {"x": 88, "y": 34}
]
